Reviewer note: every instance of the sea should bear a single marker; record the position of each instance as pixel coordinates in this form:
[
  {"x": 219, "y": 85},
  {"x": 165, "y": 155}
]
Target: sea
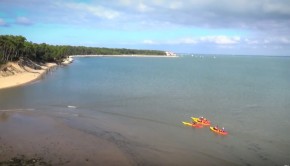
[{"x": 139, "y": 103}]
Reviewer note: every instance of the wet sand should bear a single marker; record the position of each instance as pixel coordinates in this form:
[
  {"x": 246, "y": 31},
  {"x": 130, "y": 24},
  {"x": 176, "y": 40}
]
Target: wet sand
[
  {"x": 51, "y": 138},
  {"x": 34, "y": 135},
  {"x": 29, "y": 134}
]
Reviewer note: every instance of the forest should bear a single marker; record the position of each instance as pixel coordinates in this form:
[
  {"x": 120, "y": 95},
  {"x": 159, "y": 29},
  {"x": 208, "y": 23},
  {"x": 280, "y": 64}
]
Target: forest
[{"x": 13, "y": 48}]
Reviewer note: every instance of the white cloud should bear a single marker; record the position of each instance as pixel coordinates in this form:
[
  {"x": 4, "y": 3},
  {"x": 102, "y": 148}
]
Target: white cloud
[
  {"x": 279, "y": 8},
  {"x": 188, "y": 40},
  {"x": 285, "y": 40},
  {"x": 143, "y": 8},
  {"x": 95, "y": 10},
  {"x": 218, "y": 40},
  {"x": 125, "y": 2},
  {"x": 149, "y": 42},
  {"x": 23, "y": 21},
  {"x": 176, "y": 5},
  {"x": 221, "y": 39},
  {"x": 252, "y": 41},
  {"x": 278, "y": 40},
  {"x": 2, "y": 22}
]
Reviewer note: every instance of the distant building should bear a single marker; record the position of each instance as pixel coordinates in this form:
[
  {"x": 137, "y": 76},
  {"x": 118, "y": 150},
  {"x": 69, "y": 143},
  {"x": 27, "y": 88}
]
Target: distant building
[{"x": 170, "y": 53}]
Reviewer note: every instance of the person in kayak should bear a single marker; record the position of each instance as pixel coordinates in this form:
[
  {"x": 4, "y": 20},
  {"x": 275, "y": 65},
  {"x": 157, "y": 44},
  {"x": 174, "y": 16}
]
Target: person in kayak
[
  {"x": 223, "y": 129},
  {"x": 202, "y": 119},
  {"x": 216, "y": 127}
]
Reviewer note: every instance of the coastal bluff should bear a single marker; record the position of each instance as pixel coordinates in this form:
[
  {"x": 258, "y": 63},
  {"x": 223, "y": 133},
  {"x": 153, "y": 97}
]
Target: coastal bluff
[{"x": 22, "y": 72}]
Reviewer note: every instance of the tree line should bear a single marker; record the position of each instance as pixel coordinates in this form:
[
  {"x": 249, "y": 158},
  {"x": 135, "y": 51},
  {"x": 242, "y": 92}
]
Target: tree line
[{"x": 12, "y": 48}]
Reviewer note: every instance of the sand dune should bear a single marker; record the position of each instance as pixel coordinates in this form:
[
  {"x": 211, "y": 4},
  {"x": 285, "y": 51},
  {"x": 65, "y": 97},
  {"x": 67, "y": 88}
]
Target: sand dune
[{"x": 15, "y": 75}]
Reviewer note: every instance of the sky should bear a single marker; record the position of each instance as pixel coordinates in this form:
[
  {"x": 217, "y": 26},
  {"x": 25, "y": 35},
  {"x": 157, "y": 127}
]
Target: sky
[{"x": 239, "y": 27}]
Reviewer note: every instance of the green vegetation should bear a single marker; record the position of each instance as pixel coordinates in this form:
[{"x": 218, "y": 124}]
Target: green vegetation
[{"x": 13, "y": 48}]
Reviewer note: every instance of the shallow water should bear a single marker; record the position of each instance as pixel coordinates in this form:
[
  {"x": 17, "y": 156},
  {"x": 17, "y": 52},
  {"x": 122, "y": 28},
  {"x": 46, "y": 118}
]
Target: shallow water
[{"x": 138, "y": 104}]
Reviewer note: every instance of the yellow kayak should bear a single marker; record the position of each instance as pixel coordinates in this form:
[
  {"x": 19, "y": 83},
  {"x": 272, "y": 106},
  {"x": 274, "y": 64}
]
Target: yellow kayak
[
  {"x": 219, "y": 131},
  {"x": 197, "y": 125},
  {"x": 203, "y": 122}
]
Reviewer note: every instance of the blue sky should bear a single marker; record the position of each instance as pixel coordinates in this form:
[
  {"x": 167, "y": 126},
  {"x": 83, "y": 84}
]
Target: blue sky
[{"x": 187, "y": 26}]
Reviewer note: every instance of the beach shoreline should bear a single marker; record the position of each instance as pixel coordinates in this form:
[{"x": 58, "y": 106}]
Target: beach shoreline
[
  {"x": 26, "y": 75},
  {"x": 23, "y": 75},
  {"x": 133, "y": 55}
]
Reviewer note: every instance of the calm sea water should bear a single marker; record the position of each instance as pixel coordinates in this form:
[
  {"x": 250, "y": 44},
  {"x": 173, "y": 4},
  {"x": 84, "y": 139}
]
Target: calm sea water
[{"x": 139, "y": 103}]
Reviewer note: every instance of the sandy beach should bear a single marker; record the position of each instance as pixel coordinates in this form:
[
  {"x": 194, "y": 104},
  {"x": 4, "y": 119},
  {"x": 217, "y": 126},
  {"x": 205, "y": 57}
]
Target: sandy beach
[{"x": 23, "y": 75}]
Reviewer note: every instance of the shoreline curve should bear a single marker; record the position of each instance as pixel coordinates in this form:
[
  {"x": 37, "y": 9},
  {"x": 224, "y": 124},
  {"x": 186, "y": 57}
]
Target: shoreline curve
[{"x": 23, "y": 75}]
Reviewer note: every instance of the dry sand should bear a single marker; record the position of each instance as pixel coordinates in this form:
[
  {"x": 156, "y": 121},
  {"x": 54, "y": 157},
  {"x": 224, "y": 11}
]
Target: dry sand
[{"x": 23, "y": 75}]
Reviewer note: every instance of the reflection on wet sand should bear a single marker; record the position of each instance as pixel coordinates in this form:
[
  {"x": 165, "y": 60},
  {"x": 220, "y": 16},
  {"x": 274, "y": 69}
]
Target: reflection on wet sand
[
  {"x": 54, "y": 142},
  {"x": 4, "y": 117}
]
